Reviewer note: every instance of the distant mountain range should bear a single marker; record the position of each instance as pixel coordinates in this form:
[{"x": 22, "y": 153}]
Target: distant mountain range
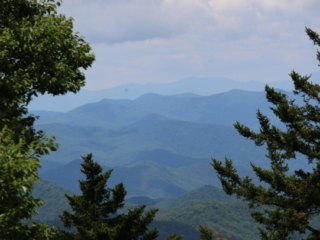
[
  {"x": 144, "y": 178},
  {"x": 168, "y": 139},
  {"x": 195, "y": 85},
  {"x": 223, "y": 109},
  {"x": 171, "y": 130},
  {"x": 160, "y": 146}
]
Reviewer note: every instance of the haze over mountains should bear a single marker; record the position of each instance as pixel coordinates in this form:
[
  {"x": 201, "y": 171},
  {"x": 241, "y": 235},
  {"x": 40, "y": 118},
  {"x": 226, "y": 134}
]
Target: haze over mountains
[
  {"x": 117, "y": 131},
  {"x": 223, "y": 109},
  {"x": 160, "y": 146},
  {"x": 200, "y": 86}
]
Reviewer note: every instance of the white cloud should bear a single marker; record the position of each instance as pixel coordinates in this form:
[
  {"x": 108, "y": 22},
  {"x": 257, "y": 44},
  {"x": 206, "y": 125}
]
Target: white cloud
[
  {"x": 165, "y": 40},
  {"x": 118, "y": 21}
]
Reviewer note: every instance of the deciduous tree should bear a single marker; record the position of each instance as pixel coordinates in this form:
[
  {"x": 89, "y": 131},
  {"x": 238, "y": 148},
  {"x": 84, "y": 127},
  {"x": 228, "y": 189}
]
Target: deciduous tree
[
  {"x": 39, "y": 53},
  {"x": 18, "y": 174}
]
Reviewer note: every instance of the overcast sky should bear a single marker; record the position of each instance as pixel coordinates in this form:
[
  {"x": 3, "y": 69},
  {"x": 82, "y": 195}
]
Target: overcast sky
[{"x": 166, "y": 40}]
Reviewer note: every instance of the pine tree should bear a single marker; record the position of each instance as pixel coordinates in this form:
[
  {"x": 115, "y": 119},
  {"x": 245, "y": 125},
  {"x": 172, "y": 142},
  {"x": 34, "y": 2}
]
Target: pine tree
[
  {"x": 285, "y": 202},
  {"x": 208, "y": 234},
  {"x": 95, "y": 212}
]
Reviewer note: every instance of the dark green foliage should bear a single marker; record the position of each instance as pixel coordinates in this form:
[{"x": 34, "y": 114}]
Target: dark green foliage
[
  {"x": 231, "y": 218},
  {"x": 227, "y": 218},
  {"x": 174, "y": 237},
  {"x": 54, "y": 200},
  {"x": 39, "y": 53},
  {"x": 205, "y": 193},
  {"x": 293, "y": 197},
  {"x": 205, "y": 233},
  {"x": 94, "y": 213},
  {"x": 167, "y": 227},
  {"x": 175, "y": 229},
  {"x": 208, "y": 234},
  {"x": 18, "y": 174}
]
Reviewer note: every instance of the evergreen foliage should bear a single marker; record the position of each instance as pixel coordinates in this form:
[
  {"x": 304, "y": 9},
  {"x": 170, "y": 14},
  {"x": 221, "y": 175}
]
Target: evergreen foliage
[
  {"x": 208, "y": 234},
  {"x": 174, "y": 237},
  {"x": 286, "y": 201},
  {"x": 181, "y": 215},
  {"x": 205, "y": 233},
  {"x": 94, "y": 213}
]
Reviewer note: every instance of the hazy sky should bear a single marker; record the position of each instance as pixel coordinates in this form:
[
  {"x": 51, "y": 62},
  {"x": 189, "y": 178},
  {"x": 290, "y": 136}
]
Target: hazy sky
[{"x": 165, "y": 40}]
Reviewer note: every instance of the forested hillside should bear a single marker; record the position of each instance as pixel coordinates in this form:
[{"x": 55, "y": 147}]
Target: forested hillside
[
  {"x": 207, "y": 205},
  {"x": 129, "y": 144},
  {"x": 153, "y": 152}
]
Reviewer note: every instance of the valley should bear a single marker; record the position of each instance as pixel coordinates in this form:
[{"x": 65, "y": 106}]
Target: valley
[{"x": 161, "y": 149}]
